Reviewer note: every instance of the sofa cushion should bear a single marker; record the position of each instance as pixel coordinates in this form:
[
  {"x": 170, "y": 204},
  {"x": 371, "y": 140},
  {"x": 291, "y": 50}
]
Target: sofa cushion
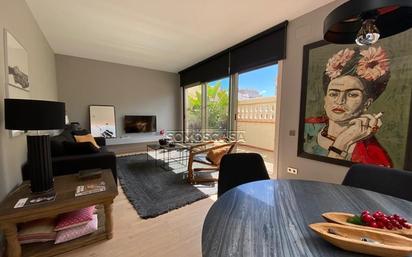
[
  {"x": 80, "y": 132},
  {"x": 71, "y": 148},
  {"x": 56, "y": 143},
  {"x": 86, "y": 138}
]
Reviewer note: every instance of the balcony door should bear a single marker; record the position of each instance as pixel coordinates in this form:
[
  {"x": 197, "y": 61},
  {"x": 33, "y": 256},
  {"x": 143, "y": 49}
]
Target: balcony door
[{"x": 207, "y": 107}]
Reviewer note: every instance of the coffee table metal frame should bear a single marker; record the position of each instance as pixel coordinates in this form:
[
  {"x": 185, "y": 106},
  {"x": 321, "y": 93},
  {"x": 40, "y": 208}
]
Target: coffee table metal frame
[{"x": 165, "y": 151}]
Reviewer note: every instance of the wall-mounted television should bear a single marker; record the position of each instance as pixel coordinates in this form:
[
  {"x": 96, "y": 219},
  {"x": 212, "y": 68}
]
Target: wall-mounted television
[{"x": 139, "y": 123}]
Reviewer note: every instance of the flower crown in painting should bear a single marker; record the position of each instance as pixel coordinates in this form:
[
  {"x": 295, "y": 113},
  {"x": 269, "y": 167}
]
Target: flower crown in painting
[{"x": 371, "y": 66}]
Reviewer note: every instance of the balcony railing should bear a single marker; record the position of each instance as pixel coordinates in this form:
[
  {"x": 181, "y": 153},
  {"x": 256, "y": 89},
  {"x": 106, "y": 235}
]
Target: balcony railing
[{"x": 257, "y": 110}]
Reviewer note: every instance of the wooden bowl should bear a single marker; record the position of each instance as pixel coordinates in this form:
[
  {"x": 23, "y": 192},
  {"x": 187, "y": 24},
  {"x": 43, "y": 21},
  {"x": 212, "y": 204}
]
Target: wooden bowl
[
  {"x": 350, "y": 239},
  {"x": 342, "y": 217}
]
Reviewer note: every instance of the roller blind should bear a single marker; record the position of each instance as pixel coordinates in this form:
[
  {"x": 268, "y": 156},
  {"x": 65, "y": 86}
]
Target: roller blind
[
  {"x": 213, "y": 68},
  {"x": 265, "y": 48},
  {"x": 262, "y": 49}
]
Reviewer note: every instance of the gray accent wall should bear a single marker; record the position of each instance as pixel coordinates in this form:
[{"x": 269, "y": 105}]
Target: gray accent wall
[
  {"x": 301, "y": 31},
  {"x": 132, "y": 90},
  {"x": 15, "y": 16}
]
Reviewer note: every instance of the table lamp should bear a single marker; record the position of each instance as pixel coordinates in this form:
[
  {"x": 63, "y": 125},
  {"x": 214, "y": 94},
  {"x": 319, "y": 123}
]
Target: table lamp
[{"x": 22, "y": 114}]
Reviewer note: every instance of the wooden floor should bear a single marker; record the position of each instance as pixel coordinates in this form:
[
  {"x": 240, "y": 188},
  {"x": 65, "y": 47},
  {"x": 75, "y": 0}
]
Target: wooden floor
[{"x": 177, "y": 233}]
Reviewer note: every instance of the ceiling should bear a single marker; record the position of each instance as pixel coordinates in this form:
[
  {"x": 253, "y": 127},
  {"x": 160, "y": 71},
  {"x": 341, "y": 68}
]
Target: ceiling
[{"x": 163, "y": 35}]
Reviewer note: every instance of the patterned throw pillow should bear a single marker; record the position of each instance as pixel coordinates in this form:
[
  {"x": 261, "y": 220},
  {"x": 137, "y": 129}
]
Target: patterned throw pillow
[
  {"x": 74, "y": 218},
  {"x": 37, "y": 231},
  {"x": 76, "y": 232}
]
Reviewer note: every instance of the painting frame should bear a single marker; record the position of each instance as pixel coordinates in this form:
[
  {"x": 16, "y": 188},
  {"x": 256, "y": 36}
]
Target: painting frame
[
  {"x": 16, "y": 63},
  {"x": 407, "y": 161},
  {"x": 94, "y": 130},
  {"x": 11, "y": 90}
]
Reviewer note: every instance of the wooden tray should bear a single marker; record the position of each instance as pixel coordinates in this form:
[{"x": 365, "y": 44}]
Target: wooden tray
[
  {"x": 350, "y": 239},
  {"x": 342, "y": 217}
]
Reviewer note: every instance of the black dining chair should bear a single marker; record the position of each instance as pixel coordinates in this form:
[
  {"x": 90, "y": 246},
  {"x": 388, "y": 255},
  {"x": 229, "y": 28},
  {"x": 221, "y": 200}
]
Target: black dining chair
[
  {"x": 383, "y": 180},
  {"x": 239, "y": 168}
]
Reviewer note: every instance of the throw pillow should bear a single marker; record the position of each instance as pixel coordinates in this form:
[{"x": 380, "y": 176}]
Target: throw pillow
[
  {"x": 56, "y": 143},
  {"x": 80, "y": 148},
  {"x": 76, "y": 232},
  {"x": 80, "y": 132},
  {"x": 86, "y": 138},
  {"x": 37, "y": 231},
  {"x": 74, "y": 218},
  {"x": 215, "y": 155}
]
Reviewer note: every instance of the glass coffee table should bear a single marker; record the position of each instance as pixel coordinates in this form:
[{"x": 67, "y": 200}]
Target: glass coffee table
[{"x": 176, "y": 153}]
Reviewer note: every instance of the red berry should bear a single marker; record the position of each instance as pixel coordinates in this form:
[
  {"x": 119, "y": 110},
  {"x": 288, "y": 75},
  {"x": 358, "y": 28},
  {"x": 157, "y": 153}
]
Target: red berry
[
  {"x": 385, "y": 220},
  {"x": 365, "y": 212},
  {"x": 380, "y": 224},
  {"x": 388, "y": 226},
  {"x": 373, "y": 224},
  {"x": 396, "y": 216},
  {"x": 406, "y": 226},
  {"x": 378, "y": 214},
  {"x": 368, "y": 218}
]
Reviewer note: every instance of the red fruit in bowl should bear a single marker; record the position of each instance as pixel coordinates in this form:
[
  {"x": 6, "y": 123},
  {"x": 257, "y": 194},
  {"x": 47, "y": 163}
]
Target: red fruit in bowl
[
  {"x": 373, "y": 225},
  {"x": 368, "y": 218},
  {"x": 365, "y": 212},
  {"x": 406, "y": 226},
  {"x": 380, "y": 224},
  {"x": 378, "y": 214},
  {"x": 389, "y": 226}
]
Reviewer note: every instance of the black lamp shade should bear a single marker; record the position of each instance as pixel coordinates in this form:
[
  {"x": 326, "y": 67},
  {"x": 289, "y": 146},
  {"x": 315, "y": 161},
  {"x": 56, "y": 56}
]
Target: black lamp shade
[
  {"x": 22, "y": 114},
  {"x": 343, "y": 23}
]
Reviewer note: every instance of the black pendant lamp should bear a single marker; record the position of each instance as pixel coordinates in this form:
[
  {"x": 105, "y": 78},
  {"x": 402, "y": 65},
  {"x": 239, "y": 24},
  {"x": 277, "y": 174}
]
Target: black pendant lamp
[{"x": 365, "y": 21}]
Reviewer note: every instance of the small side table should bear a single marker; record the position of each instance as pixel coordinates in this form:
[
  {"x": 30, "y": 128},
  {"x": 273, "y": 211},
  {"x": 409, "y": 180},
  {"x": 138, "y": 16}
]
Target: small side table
[{"x": 65, "y": 187}]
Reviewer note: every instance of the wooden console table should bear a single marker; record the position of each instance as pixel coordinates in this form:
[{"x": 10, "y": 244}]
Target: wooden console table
[{"x": 65, "y": 201}]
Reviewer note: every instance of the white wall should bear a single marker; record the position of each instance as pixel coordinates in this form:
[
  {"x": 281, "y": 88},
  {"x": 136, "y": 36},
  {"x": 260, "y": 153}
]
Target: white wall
[
  {"x": 132, "y": 90},
  {"x": 16, "y": 17},
  {"x": 301, "y": 31}
]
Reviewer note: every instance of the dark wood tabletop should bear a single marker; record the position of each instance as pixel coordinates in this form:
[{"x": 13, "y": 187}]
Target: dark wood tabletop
[{"x": 271, "y": 218}]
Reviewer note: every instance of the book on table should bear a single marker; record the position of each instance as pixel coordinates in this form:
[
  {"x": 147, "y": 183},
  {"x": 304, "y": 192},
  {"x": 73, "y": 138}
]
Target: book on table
[{"x": 90, "y": 188}]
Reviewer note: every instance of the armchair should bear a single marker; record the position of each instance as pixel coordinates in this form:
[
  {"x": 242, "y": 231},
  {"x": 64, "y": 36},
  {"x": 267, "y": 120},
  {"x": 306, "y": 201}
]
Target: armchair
[{"x": 198, "y": 154}]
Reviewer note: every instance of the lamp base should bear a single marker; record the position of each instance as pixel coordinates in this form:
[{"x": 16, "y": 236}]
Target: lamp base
[{"x": 40, "y": 163}]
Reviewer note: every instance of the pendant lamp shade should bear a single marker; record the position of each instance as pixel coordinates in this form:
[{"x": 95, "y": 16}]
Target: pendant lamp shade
[{"x": 343, "y": 24}]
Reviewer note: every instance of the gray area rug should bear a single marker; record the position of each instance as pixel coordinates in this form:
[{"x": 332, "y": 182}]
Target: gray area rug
[{"x": 153, "y": 190}]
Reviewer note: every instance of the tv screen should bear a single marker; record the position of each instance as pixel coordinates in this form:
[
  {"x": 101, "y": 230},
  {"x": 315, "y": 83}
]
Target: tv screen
[{"x": 139, "y": 124}]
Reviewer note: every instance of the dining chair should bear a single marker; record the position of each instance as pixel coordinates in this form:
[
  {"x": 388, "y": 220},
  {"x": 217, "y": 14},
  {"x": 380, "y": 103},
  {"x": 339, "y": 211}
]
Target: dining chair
[
  {"x": 380, "y": 179},
  {"x": 240, "y": 168}
]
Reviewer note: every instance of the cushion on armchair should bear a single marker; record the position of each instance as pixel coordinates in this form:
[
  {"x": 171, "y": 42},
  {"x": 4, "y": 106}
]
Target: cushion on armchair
[{"x": 215, "y": 155}]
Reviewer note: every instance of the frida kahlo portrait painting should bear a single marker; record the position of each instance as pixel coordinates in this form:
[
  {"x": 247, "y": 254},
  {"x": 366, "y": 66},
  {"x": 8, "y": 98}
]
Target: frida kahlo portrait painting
[{"x": 356, "y": 102}]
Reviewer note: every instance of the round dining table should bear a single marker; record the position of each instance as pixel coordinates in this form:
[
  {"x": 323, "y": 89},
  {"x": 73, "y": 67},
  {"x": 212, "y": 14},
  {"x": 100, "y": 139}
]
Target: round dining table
[{"x": 271, "y": 218}]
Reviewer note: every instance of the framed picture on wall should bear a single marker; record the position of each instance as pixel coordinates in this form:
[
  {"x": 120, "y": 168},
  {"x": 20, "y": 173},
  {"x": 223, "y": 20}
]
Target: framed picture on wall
[
  {"x": 17, "y": 66},
  {"x": 356, "y": 103},
  {"x": 102, "y": 121},
  {"x": 16, "y": 71}
]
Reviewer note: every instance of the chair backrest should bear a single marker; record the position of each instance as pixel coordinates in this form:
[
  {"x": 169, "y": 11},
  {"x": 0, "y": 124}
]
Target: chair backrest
[
  {"x": 239, "y": 168},
  {"x": 380, "y": 179}
]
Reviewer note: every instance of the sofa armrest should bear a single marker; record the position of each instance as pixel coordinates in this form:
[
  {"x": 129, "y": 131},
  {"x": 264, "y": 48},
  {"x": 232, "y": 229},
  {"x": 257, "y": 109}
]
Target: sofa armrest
[{"x": 101, "y": 141}]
